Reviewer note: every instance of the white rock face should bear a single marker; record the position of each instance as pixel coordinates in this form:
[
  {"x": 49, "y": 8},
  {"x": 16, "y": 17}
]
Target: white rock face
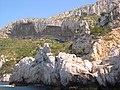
[
  {"x": 97, "y": 8},
  {"x": 108, "y": 73},
  {"x": 96, "y": 48},
  {"x": 25, "y": 61},
  {"x": 34, "y": 27},
  {"x": 5, "y": 78},
  {"x": 114, "y": 55},
  {"x": 67, "y": 68},
  {"x": 84, "y": 39},
  {"x": 30, "y": 28},
  {"x": 48, "y": 69},
  {"x": 77, "y": 26},
  {"x": 2, "y": 60}
]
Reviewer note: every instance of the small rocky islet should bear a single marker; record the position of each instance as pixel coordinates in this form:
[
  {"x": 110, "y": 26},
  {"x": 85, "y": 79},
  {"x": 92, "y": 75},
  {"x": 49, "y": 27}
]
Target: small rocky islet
[{"x": 92, "y": 59}]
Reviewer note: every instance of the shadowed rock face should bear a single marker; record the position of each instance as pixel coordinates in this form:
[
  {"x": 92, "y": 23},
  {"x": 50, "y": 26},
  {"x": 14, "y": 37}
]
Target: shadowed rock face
[
  {"x": 24, "y": 30},
  {"x": 66, "y": 69},
  {"x": 34, "y": 27},
  {"x": 29, "y": 28},
  {"x": 37, "y": 28}
]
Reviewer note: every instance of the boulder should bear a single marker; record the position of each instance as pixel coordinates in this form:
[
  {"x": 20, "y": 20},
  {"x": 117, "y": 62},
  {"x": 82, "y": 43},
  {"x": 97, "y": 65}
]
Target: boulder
[
  {"x": 103, "y": 21},
  {"x": 5, "y": 78}
]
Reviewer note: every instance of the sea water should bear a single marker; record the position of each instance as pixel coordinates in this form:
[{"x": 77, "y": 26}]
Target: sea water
[{"x": 6, "y": 86}]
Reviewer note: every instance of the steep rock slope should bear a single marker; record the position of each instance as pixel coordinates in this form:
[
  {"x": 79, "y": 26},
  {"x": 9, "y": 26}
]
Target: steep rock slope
[
  {"x": 97, "y": 8},
  {"x": 29, "y": 27},
  {"x": 67, "y": 69},
  {"x": 53, "y": 27},
  {"x": 96, "y": 47}
]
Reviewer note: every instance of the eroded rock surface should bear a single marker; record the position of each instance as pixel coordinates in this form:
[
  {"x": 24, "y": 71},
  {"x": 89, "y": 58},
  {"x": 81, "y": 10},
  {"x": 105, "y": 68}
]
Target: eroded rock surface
[
  {"x": 96, "y": 48},
  {"x": 30, "y": 28},
  {"x": 38, "y": 27},
  {"x": 97, "y": 8},
  {"x": 66, "y": 69}
]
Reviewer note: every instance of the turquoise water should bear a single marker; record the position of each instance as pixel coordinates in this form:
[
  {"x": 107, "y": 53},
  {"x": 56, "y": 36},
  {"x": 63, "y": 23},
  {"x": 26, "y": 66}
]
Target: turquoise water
[
  {"x": 5, "y": 86},
  {"x": 24, "y": 88}
]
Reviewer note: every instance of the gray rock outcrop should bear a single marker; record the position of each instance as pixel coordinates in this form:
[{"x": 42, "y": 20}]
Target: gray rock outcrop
[
  {"x": 38, "y": 27},
  {"x": 51, "y": 70},
  {"x": 66, "y": 69},
  {"x": 103, "y": 21},
  {"x": 97, "y": 8},
  {"x": 83, "y": 39},
  {"x": 30, "y": 28},
  {"x": 95, "y": 48}
]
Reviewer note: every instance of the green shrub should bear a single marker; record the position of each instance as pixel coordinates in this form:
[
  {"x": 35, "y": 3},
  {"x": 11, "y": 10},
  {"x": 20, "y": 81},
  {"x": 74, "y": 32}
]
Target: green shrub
[
  {"x": 60, "y": 47},
  {"x": 16, "y": 49},
  {"x": 99, "y": 31},
  {"x": 79, "y": 51}
]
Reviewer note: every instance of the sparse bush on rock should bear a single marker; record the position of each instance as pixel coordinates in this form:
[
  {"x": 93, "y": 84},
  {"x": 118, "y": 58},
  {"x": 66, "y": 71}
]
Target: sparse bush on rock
[{"x": 99, "y": 31}]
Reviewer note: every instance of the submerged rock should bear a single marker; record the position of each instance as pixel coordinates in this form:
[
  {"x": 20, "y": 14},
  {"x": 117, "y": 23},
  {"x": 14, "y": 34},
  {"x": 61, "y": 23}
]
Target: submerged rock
[{"x": 67, "y": 69}]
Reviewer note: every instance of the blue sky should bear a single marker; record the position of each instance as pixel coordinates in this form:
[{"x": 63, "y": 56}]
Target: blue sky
[{"x": 11, "y": 10}]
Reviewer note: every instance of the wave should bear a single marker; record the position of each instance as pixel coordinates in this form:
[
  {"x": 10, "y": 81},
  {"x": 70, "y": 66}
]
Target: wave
[{"x": 6, "y": 86}]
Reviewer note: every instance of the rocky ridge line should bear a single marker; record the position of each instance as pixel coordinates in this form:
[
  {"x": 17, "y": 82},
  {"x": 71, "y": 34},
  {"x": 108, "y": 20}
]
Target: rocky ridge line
[
  {"x": 97, "y": 8},
  {"x": 36, "y": 27}
]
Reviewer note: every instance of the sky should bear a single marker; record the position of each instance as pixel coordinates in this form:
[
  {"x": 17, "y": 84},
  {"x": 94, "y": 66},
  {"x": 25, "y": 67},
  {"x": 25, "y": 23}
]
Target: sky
[{"x": 11, "y": 10}]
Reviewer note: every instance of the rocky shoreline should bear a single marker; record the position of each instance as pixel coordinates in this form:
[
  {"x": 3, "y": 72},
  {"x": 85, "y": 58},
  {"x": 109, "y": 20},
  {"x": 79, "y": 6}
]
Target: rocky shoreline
[
  {"x": 67, "y": 69},
  {"x": 96, "y": 58}
]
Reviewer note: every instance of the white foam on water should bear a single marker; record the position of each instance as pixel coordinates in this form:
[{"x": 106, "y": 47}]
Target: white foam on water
[{"x": 6, "y": 86}]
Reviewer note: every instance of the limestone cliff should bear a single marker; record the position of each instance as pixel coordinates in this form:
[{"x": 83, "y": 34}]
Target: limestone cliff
[
  {"x": 29, "y": 28},
  {"x": 96, "y": 48},
  {"x": 67, "y": 69},
  {"x": 55, "y": 26},
  {"x": 97, "y": 8}
]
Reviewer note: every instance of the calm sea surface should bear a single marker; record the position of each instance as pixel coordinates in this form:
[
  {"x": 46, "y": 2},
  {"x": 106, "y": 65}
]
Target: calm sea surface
[{"x": 5, "y": 86}]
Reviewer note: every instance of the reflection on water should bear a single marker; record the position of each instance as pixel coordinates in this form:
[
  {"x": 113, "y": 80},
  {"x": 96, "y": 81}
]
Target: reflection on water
[{"x": 5, "y": 86}]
